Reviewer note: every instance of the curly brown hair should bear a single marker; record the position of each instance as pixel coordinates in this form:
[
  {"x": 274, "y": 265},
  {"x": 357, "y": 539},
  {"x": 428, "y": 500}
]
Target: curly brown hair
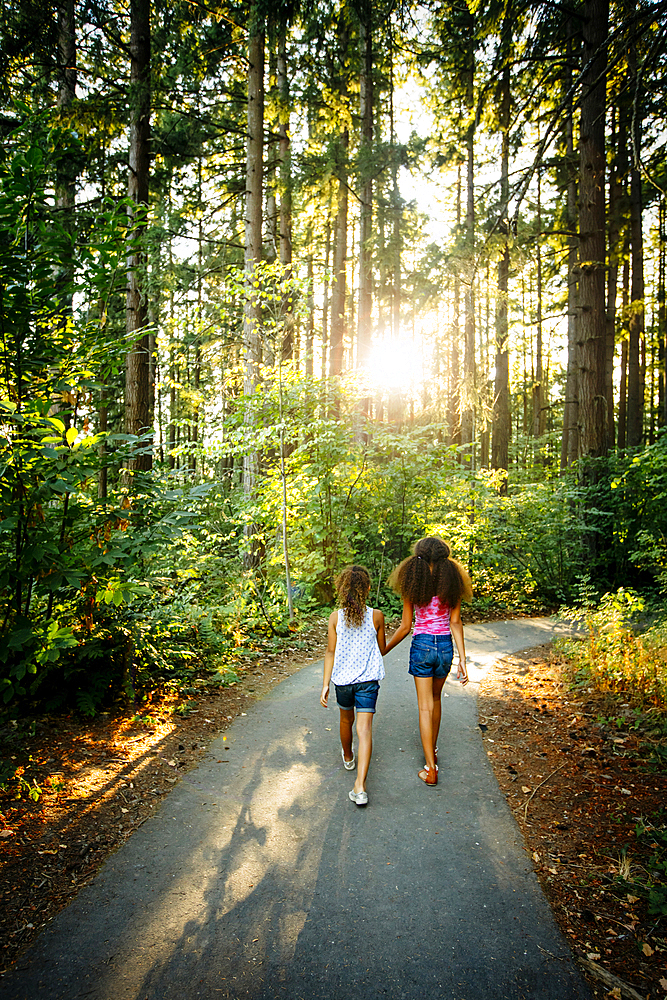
[
  {"x": 352, "y": 586},
  {"x": 430, "y": 570}
]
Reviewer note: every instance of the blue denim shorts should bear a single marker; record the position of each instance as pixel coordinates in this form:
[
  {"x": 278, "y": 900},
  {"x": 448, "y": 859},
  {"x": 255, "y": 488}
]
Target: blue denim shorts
[
  {"x": 431, "y": 655},
  {"x": 361, "y": 696}
]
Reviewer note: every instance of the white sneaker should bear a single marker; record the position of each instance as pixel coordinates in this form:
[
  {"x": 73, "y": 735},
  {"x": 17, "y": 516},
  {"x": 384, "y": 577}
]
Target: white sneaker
[
  {"x": 360, "y": 798},
  {"x": 349, "y": 765}
]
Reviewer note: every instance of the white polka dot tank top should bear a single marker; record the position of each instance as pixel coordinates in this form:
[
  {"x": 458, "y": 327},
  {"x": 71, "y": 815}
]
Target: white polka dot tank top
[{"x": 357, "y": 657}]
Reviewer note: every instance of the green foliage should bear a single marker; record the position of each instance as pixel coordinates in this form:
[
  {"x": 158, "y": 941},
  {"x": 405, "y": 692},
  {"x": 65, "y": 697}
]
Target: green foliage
[
  {"x": 368, "y": 495},
  {"x": 615, "y": 656},
  {"x": 64, "y": 555},
  {"x": 16, "y": 781},
  {"x": 638, "y": 499},
  {"x": 651, "y": 834}
]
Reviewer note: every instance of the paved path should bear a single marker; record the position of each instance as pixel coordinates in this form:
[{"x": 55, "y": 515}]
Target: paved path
[{"x": 259, "y": 879}]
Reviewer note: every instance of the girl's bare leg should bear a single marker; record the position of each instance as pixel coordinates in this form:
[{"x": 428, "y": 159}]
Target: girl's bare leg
[
  {"x": 438, "y": 684},
  {"x": 346, "y": 723},
  {"x": 364, "y": 748},
  {"x": 425, "y": 701}
]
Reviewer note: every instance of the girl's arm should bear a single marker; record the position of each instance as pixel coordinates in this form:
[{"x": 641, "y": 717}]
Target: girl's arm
[
  {"x": 378, "y": 622},
  {"x": 332, "y": 636},
  {"x": 402, "y": 630},
  {"x": 456, "y": 626}
]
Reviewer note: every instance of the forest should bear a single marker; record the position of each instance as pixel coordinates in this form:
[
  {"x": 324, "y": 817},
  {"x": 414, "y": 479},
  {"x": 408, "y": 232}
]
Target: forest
[{"x": 288, "y": 285}]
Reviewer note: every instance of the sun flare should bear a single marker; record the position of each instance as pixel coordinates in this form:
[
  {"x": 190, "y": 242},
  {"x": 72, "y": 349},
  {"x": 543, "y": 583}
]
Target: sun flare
[{"x": 398, "y": 363}]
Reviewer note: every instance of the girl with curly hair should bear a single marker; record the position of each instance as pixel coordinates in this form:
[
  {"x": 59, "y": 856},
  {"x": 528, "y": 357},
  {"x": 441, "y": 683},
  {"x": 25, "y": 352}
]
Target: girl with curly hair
[
  {"x": 353, "y": 660},
  {"x": 432, "y": 586}
]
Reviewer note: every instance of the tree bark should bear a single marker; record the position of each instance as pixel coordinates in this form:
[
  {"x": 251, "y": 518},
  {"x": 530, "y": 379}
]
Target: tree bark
[
  {"x": 285, "y": 155},
  {"x": 592, "y": 222},
  {"x": 252, "y": 350},
  {"x": 468, "y": 412},
  {"x": 454, "y": 411},
  {"x": 539, "y": 411},
  {"x": 366, "y": 187},
  {"x": 326, "y": 298},
  {"x": 137, "y": 380},
  {"x": 623, "y": 392},
  {"x": 662, "y": 319},
  {"x": 310, "y": 322},
  {"x": 501, "y": 408},
  {"x": 339, "y": 289},
  {"x": 67, "y": 77},
  {"x": 635, "y": 406},
  {"x": 618, "y": 170},
  {"x": 570, "y": 434}
]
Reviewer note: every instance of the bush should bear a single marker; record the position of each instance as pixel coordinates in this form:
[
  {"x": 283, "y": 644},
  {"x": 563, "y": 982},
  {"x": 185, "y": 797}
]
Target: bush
[{"x": 615, "y": 656}]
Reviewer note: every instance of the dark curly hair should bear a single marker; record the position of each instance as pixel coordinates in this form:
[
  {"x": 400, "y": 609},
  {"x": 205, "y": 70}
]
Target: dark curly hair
[
  {"x": 430, "y": 570},
  {"x": 352, "y": 586}
]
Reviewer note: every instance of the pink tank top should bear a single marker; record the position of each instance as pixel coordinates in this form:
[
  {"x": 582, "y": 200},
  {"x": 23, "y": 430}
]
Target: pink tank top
[{"x": 432, "y": 619}]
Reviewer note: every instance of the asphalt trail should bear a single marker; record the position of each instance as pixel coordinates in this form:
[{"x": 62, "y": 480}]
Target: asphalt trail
[{"x": 259, "y": 879}]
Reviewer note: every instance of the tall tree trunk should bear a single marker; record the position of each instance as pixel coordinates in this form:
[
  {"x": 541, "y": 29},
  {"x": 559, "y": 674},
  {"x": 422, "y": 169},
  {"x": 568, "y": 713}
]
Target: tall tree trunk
[
  {"x": 454, "y": 411},
  {"x": 623, "y": 393},
  {"x": 618, "y": 169},
  {"x": 103, "y": 427},
  {"x": 501, "y": 408},
  {"x": 339, "y": 290},
  {"x": 67, "y": 76},
  {"x": 252, "y": 350},
  {"x": 395, "y": 401},
  {"x": 326, "y": 297},
  {"x": 635, "y": 410},
  {"x": 310, "y": 322},
  {"x": 137, "y": 379},
  {"x": 468, "y": 413},
  {"x": 366, "y": 188},
  {"x": 570, "y": 435},
  {"x": 538, "y": 387},
  {"x": 592, "y": 222},
  {"x": 485, "y": 325},
  {"x": 198, "y": 326},
  {"x": 285, "y": 153},
  {"x": 271, "y": 249},
  {"x": 539, "y": 411},
  {"x": 662, "y": 319}
]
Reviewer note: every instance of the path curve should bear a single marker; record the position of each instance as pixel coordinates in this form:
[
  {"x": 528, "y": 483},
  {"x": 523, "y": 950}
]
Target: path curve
[{"x": 259, "y": 879}]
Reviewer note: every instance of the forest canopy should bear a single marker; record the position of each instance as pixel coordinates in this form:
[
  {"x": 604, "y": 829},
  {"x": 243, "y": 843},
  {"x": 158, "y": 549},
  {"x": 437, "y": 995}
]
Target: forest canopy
[{"x": 288, "y": 285}]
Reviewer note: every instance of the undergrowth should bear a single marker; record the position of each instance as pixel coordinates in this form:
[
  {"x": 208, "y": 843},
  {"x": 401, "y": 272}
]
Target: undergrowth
[
  {"x": 622, "y": 652},
  {"x": 623, "y": 648}
]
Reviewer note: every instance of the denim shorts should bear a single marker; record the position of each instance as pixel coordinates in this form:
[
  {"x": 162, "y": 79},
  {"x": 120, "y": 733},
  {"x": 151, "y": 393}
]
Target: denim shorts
[
  {"x": 362, "y": 696},
  {"x": 431, "y": 655}
]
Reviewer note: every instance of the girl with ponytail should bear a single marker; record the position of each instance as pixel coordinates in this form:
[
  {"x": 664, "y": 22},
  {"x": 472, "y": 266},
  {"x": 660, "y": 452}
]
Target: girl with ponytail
[
  {"x": 353, "y": 660},
  {"x": 432, "y": 586}
]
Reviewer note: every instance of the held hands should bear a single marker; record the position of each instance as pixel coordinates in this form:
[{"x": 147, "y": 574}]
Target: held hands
[
  {"x": 462, "y": 674},
  {"x": 324, "y": 697}
]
